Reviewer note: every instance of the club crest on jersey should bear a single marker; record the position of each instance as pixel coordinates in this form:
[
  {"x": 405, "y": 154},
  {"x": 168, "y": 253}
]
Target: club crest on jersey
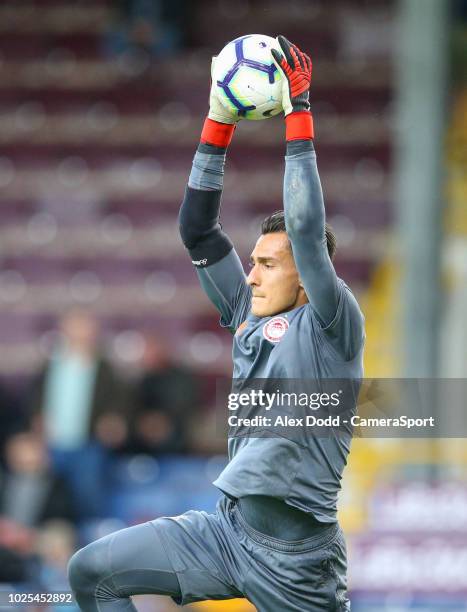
[{"x": 274, "y": 329}]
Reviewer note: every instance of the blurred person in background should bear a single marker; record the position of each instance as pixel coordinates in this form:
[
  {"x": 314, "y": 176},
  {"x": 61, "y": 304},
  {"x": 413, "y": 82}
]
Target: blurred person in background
[
  {"x": 37, "y": 535},
  {"x": 79, "y": 403},
  {"x": 165, "y": 401},
  {"x": 18, "y": 561},
  {"x": 30, "y": 491},
  {"x": 55, "y": 542},
  {"x": 36, "y": 558}
]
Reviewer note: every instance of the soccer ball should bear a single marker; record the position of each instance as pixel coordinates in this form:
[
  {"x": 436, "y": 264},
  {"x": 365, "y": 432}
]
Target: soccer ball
[{"x": 248, "y": 82}]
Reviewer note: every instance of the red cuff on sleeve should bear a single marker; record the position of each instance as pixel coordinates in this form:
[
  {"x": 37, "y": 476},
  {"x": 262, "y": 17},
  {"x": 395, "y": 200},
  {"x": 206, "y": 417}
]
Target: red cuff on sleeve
[
  {"x": 299, "y": 126},
  {"x": 217, "y": 134}
]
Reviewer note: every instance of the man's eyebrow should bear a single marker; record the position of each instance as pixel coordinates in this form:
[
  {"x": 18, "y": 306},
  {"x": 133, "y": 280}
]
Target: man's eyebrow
[{"x": 263, "y": 259}]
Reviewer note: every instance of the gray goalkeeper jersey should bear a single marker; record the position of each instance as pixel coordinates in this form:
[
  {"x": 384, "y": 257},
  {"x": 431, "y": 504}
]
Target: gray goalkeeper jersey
[{"x": 319, "y": 340}]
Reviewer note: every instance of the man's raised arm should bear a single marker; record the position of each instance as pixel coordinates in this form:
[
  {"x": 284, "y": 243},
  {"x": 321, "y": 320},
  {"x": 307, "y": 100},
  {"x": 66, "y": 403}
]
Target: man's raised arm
[
  {"x": 218, "y": 265},
  {"x": 332, "y": 302}
]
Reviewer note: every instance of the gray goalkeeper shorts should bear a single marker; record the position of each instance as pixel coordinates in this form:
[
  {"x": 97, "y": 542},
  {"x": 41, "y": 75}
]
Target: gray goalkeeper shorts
[
  {"x": 220, "y": 556},
  {"x": 199, "y": 556}
]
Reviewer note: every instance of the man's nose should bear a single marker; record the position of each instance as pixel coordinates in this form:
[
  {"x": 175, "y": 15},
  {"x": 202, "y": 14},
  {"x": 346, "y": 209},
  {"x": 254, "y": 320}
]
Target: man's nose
[{"x": 253, "y": 278}]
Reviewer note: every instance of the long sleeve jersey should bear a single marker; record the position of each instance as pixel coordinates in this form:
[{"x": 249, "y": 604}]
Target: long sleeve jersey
[{"x": 322, "y": 339}]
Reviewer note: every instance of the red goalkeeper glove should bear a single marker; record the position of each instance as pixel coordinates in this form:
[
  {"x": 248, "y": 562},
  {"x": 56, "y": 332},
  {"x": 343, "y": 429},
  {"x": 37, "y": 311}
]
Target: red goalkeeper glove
[{"x": 296, "y": 71}]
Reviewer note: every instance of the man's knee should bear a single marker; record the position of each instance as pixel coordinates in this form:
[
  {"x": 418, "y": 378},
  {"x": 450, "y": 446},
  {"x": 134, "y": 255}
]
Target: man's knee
[{"x": 89, "y": 566}]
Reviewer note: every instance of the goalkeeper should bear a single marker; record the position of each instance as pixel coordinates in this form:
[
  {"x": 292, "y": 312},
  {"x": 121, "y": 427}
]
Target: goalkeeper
[{"x": 274, "y": 538}]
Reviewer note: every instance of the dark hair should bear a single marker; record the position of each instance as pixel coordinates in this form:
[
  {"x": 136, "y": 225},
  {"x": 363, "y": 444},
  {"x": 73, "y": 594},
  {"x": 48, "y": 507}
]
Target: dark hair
[{"x": 276, "y": 223}]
